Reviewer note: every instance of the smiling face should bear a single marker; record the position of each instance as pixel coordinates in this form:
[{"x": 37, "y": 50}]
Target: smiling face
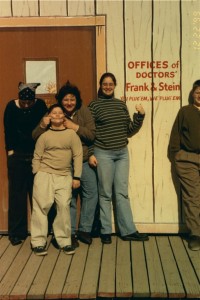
[
  {"x": 69, "y": 103},
  {"x": 108, "y": 86},
  {"x": 57, "y": 116},
  {"x": 196, "y": 97}
]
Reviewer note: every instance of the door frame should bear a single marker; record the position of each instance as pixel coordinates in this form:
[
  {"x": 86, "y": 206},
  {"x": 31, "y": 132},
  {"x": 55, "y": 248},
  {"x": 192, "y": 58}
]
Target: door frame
[{"x": 99, "y": 22}]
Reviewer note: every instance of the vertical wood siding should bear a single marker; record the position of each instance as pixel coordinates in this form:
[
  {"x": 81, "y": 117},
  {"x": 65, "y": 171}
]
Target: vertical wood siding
[
  {"x": 137, "y": 30},
  {"x": 142, "y": 31}
]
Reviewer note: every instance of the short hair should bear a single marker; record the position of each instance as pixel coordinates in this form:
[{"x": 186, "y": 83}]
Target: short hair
[
  {"x": 54, "y": 106},
  {"x": 196, "y": 84},
  {"x": 66, "y": 89}
]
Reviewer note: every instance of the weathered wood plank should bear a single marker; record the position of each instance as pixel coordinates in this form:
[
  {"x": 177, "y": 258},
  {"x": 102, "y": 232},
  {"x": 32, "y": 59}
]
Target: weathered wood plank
[
  {"x": 27, "y": 276},
  {"x": 172, "y": 278},
  {"x": 154, "y": 269},
  {"x": 123, "y": 270},
  {"x": 166, "y": 54},
  {"x": 189, "y": 278},
  {"x": 107, "y": 275},
  {"x": 7, "y": 259},
  {"x": 25, "y": 8},
  {"x": 140, "y": 145},
  {"x": 190, "y": 20},
  {"x": 10, "y": 278},
  {"x": 73, "y": 283},
  {"x": 91, "y": 274},
  {"x": 53, "y": 8},
  {"x": 4, "y": 242},
  {"x": 139, "y": 271},
  {"x": 80, "y": 8},
  {"x": 5, "y": 9},
  {"x": 194, "y": 258},
  {"x": 40, "y": 283},
  {"x": 57, "y": 281},
  {"x": 114, "y": 39}
]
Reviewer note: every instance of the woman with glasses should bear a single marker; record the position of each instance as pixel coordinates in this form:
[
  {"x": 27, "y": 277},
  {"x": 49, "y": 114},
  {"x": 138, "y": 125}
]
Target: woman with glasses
[{"x": 110, "y": 156}]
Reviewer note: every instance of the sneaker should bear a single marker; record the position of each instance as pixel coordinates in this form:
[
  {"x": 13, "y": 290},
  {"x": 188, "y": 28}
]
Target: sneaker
[
  {"x": 69, "y": 249},
  {"x": 84, "y": 237},
  {"x": 136, "y": 236},
  {"x": 106, "y": 238},
  {"x": 40, "y": 250},
  {"x": 194, "y": 243},
  {"x": 74, "y": 240}
]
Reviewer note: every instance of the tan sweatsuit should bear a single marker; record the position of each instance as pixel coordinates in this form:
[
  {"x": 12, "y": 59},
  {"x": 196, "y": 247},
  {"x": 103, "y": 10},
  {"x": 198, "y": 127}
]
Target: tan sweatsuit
[{"x": 55, "y": 151}]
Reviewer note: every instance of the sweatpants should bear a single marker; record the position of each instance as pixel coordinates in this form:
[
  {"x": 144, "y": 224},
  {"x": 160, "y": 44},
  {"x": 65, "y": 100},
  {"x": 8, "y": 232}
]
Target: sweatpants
[{"x": 47, "y": 189}]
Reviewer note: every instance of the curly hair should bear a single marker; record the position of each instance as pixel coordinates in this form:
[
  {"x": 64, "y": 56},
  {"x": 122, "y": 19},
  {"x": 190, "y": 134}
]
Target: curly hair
[{"x": 66, "y": 89}]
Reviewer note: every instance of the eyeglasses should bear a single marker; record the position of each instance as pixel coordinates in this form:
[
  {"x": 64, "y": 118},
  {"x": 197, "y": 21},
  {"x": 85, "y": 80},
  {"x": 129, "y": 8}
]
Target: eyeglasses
[{"x": 107, "y": 84}]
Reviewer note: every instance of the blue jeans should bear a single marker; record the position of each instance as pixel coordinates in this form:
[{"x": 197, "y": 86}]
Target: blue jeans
[
  {"x": 113, "y": 172},
  {"x": 89, "y": 199}
]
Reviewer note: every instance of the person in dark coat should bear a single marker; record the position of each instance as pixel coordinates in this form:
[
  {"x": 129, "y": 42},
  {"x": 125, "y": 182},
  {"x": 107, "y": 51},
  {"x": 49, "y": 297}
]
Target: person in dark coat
[
  {"x": 21, "y": 116},
  {"x": 184, "y": 150}
]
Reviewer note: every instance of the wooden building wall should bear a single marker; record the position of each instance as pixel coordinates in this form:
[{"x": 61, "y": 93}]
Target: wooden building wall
[{"x": 137, "y": 34}]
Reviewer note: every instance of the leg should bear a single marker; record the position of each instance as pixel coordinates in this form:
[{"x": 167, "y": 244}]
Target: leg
[
  {"x": 43, "y": 198},
  {"x": 18, "y": 191},
  {"x": 105, "y": 171},
  {"x": 89, "y": 198},
  {"x": 122, "y": 201},
  {"x": 187, "y": 167},
  {"x": 73, "y": 211},
  {"x": 62, "y": 222}
]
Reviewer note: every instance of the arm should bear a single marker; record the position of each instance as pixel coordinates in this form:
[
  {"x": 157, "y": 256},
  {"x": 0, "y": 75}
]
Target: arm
[
  {"x": 175, "y": 139},
  {"x": 38, "y": 153},
  {"x": 84, "y": 126},
  {"x": 77, "y": 154},
  {"x": 10, "y": 129},
  {"x": 41, "y": 127},
  {"x": 135, "y": 125}
]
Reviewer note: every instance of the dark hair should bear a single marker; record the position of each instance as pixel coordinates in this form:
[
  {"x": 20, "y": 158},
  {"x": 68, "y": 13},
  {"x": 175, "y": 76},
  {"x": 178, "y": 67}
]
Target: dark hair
[
  {"x": 195, "y": 85},
  {"x": 54, "y": 106},
  {"x": 66, "y": 89},
  {"x": 105, "y": 75}
]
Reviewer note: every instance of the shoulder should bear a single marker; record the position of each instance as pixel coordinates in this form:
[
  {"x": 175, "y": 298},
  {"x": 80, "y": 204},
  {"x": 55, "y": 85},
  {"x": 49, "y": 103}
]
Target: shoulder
[
  {"x": 11, "y": 104},
  {"x": 187, "y": 108},
  {"x": 120, "y": 102},
  {"x": 10, "y": 108},
  {"x": 83, "y": 110},
  {"x": 93, "y": 103},
  {"x": 40, "y": 102}
]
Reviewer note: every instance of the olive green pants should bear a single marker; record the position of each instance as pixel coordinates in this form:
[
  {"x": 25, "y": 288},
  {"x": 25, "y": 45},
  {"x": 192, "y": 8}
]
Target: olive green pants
[{"x": 188, "y": 170}]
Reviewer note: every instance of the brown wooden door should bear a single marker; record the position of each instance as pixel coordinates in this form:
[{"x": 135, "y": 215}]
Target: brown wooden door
[{"x": 74, "y": 50}]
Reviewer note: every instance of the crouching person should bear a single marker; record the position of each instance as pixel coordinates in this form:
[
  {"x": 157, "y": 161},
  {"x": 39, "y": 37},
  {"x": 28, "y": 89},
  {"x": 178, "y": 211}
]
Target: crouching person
[{"x": 55, "y": 151}]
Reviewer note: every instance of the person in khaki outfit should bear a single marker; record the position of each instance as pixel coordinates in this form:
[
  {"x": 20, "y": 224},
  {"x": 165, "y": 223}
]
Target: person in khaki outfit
[
  {"x": 54, "y": 153},
  {"x": 184, "y": 149}
]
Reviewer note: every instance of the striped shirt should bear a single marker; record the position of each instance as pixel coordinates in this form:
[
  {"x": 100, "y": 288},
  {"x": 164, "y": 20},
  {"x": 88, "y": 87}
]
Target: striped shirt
[{"x": 113, "y": 123}]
